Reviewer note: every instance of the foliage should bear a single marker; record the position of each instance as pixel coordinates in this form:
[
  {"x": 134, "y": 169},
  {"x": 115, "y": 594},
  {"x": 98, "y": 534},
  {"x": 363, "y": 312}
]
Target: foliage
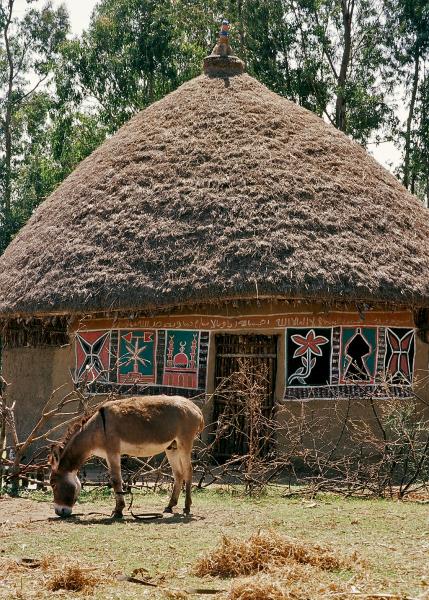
[
  {"x": 44, "y": 134},
  {"x": 409, "y": 26}
]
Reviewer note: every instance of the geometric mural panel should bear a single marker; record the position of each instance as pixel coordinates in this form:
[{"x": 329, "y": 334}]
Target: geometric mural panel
[
  {"x": 92, "y": 356},
  {"x": 399, "y": 359},
  {"x": 358, "y": 355}
]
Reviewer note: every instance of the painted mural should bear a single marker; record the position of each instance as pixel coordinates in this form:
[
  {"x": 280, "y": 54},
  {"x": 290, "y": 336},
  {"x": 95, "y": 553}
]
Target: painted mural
[
  {"x": 399, "y": 359},
  {"x": 181, "y": 359},
  {"x": 134, "y": 361},
  {"x": 92, "y": 356},
  {"x": 136, "y": 357},
  {"x": 321, "y": 361},
  {"x": 309, "y": 353},
  {"x": 349, "y": 361},
  {"x": 358, "y": 355}
]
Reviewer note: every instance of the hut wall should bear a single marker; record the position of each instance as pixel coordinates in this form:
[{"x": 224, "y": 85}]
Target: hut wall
[
  {"x": 175, "y": 354},
  {"x": 34, "y": 374},
  {"x": 421, "y": 368}
]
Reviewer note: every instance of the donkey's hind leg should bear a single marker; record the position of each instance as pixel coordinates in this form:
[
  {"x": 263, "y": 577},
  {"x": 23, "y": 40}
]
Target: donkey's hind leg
[
  {"x": 176, "y": 466},
  {"x": 114, "y": 463},
  {"x": 186, "y": 460}
]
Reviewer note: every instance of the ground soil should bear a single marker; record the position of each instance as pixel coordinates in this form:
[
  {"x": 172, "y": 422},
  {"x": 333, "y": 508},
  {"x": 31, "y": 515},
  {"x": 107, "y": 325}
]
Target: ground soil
[{"x": 389, "y": 541}]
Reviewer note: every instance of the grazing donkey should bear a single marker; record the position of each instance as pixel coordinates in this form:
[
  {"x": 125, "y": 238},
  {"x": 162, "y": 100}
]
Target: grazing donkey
[{"x": 140, "y": 426}]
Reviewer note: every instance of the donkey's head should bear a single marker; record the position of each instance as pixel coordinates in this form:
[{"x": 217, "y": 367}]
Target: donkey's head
[{"x": 65, "y": 484}]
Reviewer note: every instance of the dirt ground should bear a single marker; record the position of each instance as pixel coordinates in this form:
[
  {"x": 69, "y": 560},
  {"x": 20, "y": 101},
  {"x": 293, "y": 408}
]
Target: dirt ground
[{"x": 387, "y": 541}]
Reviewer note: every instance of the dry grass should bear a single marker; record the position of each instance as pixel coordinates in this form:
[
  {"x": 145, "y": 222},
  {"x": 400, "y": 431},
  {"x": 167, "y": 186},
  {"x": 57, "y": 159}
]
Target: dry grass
[
  {"x": 74, "y": 578},
  {"x": 47, "y": 572},
  {"x": 298, "y": 583},
  {"x": 263, "y": 551},
  {"x": 259, "y": 587}
]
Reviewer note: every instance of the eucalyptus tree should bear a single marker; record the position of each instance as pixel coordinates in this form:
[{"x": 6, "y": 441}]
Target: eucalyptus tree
[
  {"x": 29, "y": 47},
  {"x": 409, "y": 27},
  {"x": 126, "y": 58},
  {"x": 341, "y": 47}
]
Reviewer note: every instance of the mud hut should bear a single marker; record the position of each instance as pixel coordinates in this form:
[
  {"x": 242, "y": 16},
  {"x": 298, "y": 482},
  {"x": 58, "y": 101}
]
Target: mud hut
[{"x": 221, "y": 222}]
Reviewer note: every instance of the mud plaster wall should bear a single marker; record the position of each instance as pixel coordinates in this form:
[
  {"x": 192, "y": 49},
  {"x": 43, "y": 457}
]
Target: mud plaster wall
[
  {"x": 421, "y": 369},
  {"x": 34, "y": 374}
]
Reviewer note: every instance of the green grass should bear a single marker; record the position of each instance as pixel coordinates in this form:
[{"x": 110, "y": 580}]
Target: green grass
[{"x": 392, "y": 539}]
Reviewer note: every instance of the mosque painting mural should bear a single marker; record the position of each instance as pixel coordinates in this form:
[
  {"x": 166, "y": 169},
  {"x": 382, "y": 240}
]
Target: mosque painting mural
[
  {"x": 137, "y": 361},
  {"x": 349, "y": 361},
  {"x": 181, "y": 359}
]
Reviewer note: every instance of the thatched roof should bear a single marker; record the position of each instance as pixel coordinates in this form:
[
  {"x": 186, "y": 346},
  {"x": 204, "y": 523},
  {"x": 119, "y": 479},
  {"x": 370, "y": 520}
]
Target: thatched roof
[{"x": 221, "y": 190}]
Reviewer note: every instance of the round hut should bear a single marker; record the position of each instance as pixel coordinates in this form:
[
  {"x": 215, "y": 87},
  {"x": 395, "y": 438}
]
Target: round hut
[{"x": 223, "y": 222}]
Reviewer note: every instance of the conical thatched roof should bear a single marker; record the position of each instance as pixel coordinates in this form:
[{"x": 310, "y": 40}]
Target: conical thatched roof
[{"x": 221, "y": 190}]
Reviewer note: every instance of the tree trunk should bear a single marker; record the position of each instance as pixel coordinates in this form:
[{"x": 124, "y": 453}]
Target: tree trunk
[
  {"x": 2, "y": 429},
  {"x": 241, "y": 29},
  {"x": 407, "y": 157},
  {"x": 8, "y": 126},
  {"x": 347, "y": 7}
]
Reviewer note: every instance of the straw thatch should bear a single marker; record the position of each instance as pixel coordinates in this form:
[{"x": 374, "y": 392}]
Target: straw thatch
[
  {"x": 221, "y": 190},
  {"x": 262, "y": 551}
]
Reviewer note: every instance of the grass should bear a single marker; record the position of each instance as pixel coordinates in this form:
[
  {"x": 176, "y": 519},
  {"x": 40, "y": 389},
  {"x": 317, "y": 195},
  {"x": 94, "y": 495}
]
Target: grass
[{"x": 387, "y": 542}]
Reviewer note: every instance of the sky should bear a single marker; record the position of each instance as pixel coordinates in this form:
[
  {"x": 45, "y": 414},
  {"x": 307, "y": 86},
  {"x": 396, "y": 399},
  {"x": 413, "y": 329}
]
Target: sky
[{"x": 80, "y": 12}]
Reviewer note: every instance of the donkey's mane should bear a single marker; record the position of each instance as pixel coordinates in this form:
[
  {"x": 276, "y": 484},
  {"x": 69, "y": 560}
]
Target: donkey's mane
[{"x": 77, "y": 426}]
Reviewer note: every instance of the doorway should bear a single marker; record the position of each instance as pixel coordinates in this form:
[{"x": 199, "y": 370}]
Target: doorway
[{"x": 245, "y": 379}]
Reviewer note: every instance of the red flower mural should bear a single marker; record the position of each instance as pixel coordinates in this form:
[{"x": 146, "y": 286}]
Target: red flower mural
[
  {"x": 311, "y": 342},
  {"x": 307, "y": 346}
]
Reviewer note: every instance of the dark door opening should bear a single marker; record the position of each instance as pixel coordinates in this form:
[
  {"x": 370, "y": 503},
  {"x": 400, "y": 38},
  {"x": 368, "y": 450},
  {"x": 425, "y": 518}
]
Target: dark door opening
[{"x": 245, "y": 378}]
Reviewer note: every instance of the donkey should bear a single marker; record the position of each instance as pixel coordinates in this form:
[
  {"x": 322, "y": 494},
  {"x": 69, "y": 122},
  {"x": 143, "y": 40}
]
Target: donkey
[{"x": 141, "y": 426}]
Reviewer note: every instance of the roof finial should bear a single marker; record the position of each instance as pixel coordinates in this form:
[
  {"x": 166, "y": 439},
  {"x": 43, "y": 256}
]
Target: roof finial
[
  {"x": 222, "y": 62},
  {"x": 223, "y": 48}
]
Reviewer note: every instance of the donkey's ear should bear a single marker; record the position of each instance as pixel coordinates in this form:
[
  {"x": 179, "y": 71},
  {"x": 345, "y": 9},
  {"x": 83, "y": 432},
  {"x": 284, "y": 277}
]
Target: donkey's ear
[{"x": 54, "y": 456}]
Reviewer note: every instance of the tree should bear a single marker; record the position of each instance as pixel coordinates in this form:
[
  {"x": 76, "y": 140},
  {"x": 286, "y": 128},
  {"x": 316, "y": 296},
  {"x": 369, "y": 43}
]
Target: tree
[
  {"x": 417, "y": 152},
  {"x": 409, "y": 24},
  {"x": 342, "y": 43},
  {"x": 28, "y": 49},
  {"x": 126, "y": 59},
  {"x": 56, "y": 136}
]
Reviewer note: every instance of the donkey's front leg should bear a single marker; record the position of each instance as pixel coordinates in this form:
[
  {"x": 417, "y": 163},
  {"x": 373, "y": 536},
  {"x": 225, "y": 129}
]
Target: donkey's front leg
[{"x": 114, "y": 462}]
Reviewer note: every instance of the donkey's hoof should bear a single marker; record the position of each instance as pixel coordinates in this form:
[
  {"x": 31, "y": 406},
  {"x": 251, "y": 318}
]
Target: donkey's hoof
[
  {"x": 117, "y": 515},
  {"x": 168, "y": 510},
  {"x": 186, "y": 512}
]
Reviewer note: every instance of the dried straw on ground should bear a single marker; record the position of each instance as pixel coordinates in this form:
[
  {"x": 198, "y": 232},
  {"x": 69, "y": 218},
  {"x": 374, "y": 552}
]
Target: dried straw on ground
[
  {"x": 259, "y": 587},
  {"x": 221, "y": 190},
  {"x": 73, "y": 578},
  {"x": 264, "y": 551},
  {"x": 280, "y": 586}
]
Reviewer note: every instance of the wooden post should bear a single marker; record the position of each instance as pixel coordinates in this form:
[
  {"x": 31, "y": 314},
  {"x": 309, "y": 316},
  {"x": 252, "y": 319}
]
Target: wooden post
[{"x": 2, "y": 428}]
